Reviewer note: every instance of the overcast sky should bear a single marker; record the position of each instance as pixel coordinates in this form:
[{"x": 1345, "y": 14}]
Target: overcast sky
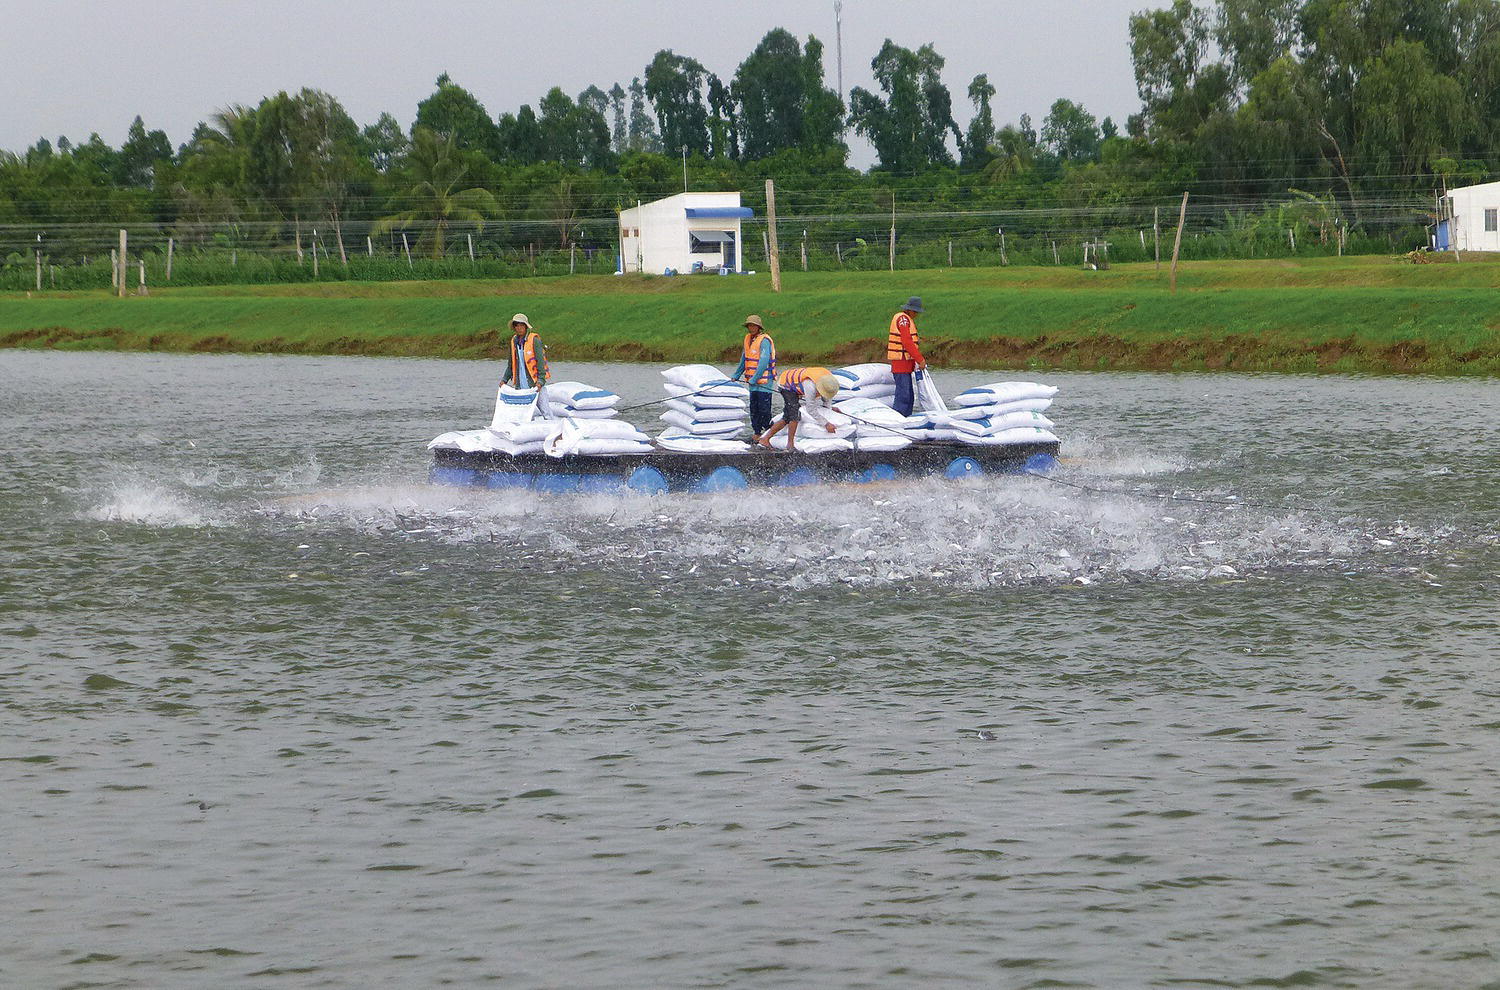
[{"x": 69, "y": 67}]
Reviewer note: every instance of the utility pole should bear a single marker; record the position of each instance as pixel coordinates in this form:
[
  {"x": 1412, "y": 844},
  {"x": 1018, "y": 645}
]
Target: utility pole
[
  {"x": 772, "y": 250},
  {"x": 684, "y": 168},
  {"x": 838, "y": 34}
]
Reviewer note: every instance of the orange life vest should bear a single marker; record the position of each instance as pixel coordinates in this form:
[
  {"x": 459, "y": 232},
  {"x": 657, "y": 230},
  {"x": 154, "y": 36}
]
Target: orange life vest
[
  {"x": 895, "y": 350},
  {"x": 752, "y": 358},
  {"x": 792, "y": 378},
  {"x": 523, "y": 354}
]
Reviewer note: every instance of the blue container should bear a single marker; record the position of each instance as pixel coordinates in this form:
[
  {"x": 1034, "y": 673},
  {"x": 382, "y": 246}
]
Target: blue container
[
  {"x": 508, "y": 479},
  {"x": 797, "y": 477},
  {"x": 877, "y": 472},
  {"x": 601, "y": 484},
  {"x": 646, "y": 480},
  {"x": 460, "y": 477},
  {"x": 1041, "y": 463},
  {"x": 963, "y": 467},
  {"x": 722, "y": 479},
  {"x": 556, "y": 484}
]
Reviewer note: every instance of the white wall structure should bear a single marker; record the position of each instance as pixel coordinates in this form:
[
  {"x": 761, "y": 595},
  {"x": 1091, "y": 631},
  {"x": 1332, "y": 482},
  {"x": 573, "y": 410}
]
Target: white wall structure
[
  {"x": 1476, "y": 212},
  {"x": 676, "y": 232}
]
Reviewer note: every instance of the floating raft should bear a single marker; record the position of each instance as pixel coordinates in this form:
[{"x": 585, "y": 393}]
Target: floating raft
[{"x": 662, "y": 471}]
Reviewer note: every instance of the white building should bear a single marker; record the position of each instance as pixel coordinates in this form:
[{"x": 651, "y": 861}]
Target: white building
[
  {"x": 1475, "y": 219},
  {"x": 701, "y": 228}
]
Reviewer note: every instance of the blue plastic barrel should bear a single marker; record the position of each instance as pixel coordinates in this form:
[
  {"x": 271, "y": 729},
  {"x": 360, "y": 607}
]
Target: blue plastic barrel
[
  {"x": 722, "y": 479},
  {"x": 646, "y": 480},
  {"x": 963, "y": 467},
  {"x": 508, "y": 479},
  {"x": 600, "y": 484},
  {"x": 797, "y": 477},
  {"x": 556, "y": 484},
  {"x": 460, "y": 477},
  {"x": 878, "y": 472},
  {"x": 1041, "y": 463}
]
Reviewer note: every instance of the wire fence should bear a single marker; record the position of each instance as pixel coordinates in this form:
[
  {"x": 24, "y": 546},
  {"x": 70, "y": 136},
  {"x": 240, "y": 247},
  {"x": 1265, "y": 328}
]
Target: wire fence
[{"x": 78, "y": 255}]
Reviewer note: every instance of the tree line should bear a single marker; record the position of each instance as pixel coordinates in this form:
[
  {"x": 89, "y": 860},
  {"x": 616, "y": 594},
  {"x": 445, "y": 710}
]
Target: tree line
[{"x": 1356, "y": 110}]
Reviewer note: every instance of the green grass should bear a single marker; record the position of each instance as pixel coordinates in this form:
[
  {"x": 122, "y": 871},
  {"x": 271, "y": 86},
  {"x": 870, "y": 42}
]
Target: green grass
[{"x": 1352, "y": 314}]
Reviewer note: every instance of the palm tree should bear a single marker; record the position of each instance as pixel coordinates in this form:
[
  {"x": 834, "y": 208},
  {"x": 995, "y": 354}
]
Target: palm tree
[{"x": 435, "y": 201}]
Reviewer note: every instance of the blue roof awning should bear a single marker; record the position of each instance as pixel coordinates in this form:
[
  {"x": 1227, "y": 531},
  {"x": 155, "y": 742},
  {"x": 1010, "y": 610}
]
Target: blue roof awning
[{"x": 719, "y": 212}]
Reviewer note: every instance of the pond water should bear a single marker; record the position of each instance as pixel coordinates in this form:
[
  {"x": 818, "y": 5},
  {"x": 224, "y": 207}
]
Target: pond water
[{"x": 1217, "y": 706}]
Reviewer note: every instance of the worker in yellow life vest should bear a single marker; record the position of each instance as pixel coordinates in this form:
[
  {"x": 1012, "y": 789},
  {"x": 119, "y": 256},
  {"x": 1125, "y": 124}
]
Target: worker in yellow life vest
[
  {"x": 816, "y": 387},
  {"x": 904, "y": 354},
  {"x": 528, "y": 358},
  {"x": 757, "y": 368}
]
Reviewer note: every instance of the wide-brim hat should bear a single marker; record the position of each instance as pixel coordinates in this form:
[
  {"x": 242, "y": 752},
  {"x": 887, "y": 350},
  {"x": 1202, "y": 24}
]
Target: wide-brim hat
[
  {"x": 913, "y": 305},
  {"x": 828, "y": 386},
  {"x": 521, "y": 319},
  {"x": 754, "y": 321}
]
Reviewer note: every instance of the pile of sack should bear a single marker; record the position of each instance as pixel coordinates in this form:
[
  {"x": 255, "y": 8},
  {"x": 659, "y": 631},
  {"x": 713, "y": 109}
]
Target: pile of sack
[
  {"x": 866, "y": 381},
  {"x": 997, "y": 414},
  {"x": 705, "y": 412},
  {"x": 567, "y": 418}
]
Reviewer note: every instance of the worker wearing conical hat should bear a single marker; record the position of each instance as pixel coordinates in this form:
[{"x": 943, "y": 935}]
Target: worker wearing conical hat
[
  {"x": 814, "y": 386},
  {"x": 528, "y": 359},
  {"x": 757, "y": 368}
]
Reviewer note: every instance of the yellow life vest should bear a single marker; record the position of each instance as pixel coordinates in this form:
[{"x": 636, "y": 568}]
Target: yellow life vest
[
  {"x": 752, "y": 358},
  {"x": 792, "y": 378},
  {"x": 895, "y": 350},
  {"x": 523, "y": 354}
]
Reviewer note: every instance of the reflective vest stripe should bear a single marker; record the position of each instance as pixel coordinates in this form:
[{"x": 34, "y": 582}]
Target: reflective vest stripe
[
  {"x": 523, "y": 354},
  {"x": 793, "y": 377}
]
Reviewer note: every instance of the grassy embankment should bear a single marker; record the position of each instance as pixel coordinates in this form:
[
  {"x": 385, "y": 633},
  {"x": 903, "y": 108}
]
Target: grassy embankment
[{"x": 1347, "y": 315}]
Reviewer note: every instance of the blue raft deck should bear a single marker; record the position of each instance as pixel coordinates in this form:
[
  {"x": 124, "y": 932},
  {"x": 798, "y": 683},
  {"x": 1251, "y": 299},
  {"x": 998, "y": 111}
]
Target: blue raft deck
[{"x": 661, "y": 471}]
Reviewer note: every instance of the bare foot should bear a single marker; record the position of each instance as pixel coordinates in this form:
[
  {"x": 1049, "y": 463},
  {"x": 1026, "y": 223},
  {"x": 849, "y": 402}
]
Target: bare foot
[{"x": 763, "y": 442}]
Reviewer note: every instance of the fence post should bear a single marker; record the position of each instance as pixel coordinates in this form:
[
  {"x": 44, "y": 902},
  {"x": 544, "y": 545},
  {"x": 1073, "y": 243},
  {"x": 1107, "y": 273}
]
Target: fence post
[
  {"x": 572, "y": 256},
  {"x": 140, "y": 287},
  {"x": 169, "y": 261},
  {"x": 39, "y": 262},
  {"x": 804, "y": 250},
  {"x": 838, "y": 252},
  {"x": 407, "y": 248},
  {"x": 1056, "y": 259},
  {"x": 1177, "y": 243},
  {"x": 1291, "y": 239},
  {"x": 1004, "y": 258},
  {"x": 1156, "y": 235},
  {"x": 124, "y": 258},
  {"x": 114, "y": 268},
  {"x": 950, "y": 254},
  {"x": 773, "y": 252},
  {"x": 369, "y": 247},
  {"x": 315, "y": 253},
  {"x": 471, "y": 247}
]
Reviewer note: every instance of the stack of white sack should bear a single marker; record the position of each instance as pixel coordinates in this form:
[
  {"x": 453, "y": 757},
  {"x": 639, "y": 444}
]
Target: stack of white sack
[
  {"x": 702, "y": 403},
  {"x": 593, "y": 438},
  {"x": 575, "y": 400},
  {"x": 866, "y": 381},
  {"x": 511, "y": 431},
  {"x": 1001, "y": 413},
  {"x": 876, "y": 426}
]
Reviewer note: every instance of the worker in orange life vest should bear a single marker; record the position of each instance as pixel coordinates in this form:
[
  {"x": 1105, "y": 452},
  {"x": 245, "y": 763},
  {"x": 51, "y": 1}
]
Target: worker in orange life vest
[
  {"x": 757, "y": 368},
  {"x": 528, "y": 358},
  {"x": 904, "y": 354},
  {"x": 815, "y": 386}
]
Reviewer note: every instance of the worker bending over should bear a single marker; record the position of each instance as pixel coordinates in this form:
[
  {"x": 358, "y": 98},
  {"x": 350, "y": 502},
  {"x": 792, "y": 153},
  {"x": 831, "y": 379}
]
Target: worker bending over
[{"x": 816, "y": 387}]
